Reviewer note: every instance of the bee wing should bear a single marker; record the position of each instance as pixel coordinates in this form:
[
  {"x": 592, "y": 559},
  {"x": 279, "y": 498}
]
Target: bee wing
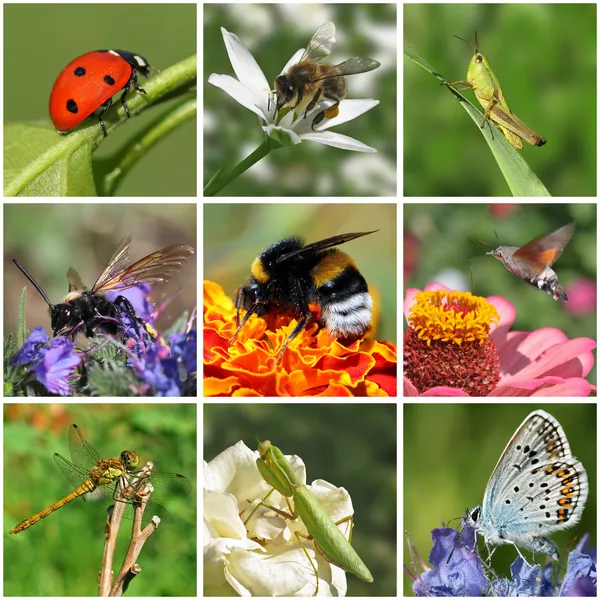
[
  {"x": 75, "y": 282},
  {"x": 336, "y": 240},
  {"x": 321, "y": 42},
  {"x": 352, "y": 66},
  {"x": 156, "y": 267},
  {"x": 544, "y": 250}
]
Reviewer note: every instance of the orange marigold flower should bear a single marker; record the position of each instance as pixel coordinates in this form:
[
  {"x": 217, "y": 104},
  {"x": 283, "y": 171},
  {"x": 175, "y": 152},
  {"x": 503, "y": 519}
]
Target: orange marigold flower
[{"x": 312, "y": 365}]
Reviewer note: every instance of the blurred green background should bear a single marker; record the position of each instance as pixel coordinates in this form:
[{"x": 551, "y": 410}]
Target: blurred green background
[
  {"x": 440, "y": 239},
  {"x": 47, "y": 239},
  {"x": 273, "y": 33},
  {"x": 349, "y": 445},
  {"x": 61, "y": 555},
  {"x": 450, "y": 451},
  {"x": 234, "y": 234},
  {"x": 41, "y": 39},
  {"x": 544, "y": 56}
]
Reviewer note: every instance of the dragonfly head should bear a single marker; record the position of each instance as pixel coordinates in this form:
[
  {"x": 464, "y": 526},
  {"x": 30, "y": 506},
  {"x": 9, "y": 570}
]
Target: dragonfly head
[{"x": 131, "y": 460}]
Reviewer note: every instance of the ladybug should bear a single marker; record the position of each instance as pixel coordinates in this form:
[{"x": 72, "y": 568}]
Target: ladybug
[{"x": 88, "y": 83}]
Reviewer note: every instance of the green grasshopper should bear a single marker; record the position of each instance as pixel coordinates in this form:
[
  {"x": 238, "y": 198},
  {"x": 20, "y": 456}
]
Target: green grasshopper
[
  {"x": 329, "y": 541},
  {"x": 481, "y": 79}
]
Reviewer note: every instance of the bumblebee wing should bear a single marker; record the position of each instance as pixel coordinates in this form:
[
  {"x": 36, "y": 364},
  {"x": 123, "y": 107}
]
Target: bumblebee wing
[
  {"x": 544, "y": 250},
  {"x": 336, "y": 240},
  {"x": 115, "y": 265},
  {"x": 75, "y": 282},
  {"x": 156, "y": 267},
  {"x": 321, "y": 43},
  {"x": 352, "y": 66}
]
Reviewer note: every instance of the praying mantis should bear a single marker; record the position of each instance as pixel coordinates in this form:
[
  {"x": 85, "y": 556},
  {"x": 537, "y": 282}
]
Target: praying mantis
[{"x": 329, "y": 541}]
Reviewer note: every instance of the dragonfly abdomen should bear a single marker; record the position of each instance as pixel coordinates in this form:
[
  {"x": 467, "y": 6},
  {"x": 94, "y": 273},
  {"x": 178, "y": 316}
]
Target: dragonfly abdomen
[{"x": 86, "y": 487}]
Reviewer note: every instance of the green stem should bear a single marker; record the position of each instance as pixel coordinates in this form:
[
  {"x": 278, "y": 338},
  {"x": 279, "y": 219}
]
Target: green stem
[{"x": 220, "y": 179}]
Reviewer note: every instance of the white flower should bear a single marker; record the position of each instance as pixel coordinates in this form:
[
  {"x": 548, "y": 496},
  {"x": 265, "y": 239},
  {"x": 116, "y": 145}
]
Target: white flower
[
  {"x": 263, "y": 557},
  {"x": 252, "y": 90}
]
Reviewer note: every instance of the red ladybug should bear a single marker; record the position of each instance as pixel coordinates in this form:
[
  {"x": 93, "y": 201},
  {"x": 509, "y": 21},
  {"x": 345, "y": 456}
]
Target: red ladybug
[{"x": 89, "y": 82}]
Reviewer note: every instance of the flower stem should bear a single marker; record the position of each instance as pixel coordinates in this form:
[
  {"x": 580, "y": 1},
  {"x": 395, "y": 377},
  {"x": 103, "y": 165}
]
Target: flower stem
[{"x": 220, "y": 179}]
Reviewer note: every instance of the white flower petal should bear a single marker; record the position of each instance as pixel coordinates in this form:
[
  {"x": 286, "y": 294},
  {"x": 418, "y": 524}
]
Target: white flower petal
[
  {"x": 239, "y": 92},
  {"x": 349, "y": 110},
  {"x": 337, "y": 140},
  {"x": 245, "y": 66}
]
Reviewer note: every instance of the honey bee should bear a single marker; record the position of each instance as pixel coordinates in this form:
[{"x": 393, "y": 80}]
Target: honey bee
[{"x": 307, "y": 83}]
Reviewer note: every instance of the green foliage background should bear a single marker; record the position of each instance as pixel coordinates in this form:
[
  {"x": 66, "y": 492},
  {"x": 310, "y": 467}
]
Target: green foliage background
[
  {"x": 544, "y": 56},
  {"x": 234, "y": 234},
  {"x": 273, "y": 33},
  {"x": 450, "y": 451},
  {"x": 47, "y": 239},
  {"x": 61, "y": 555},
  {"x": 41, "y": 39},
  {"x": 446, "y": 239},
  {"x": 352, "y": 446}
]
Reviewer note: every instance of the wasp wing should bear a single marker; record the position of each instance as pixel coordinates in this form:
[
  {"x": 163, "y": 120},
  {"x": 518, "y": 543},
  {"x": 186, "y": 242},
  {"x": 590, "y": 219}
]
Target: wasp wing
[
  {"x": 336, "y": 240},
  {"x": 156, "y": 267},
  {"x": 321, "y": 43},
  {"x": 544, "y": 250},
  {"x": 352, "y": 66},
  {"x": 115, "y": 265}
]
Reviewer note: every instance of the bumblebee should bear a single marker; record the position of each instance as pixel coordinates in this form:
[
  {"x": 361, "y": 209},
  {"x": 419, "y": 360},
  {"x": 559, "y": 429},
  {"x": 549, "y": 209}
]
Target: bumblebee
[
  {"x": 291, "y": 276},
  {"x": 90, "y": 310},
  {"x": 308, "y": 82}
]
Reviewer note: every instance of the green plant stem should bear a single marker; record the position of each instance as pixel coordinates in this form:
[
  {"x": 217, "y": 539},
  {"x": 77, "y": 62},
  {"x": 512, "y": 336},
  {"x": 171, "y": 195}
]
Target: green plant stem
[{"x": 219, "y": 180}]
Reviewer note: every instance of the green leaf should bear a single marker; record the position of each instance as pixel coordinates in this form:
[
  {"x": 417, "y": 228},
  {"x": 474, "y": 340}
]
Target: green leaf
[{"x": 519, "y": 176}]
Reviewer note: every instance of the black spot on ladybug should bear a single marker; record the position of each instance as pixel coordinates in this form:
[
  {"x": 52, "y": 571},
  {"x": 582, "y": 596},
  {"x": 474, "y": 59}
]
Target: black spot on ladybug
[
  {"x": 109, "y": 80},
  {"x": 79, "y": 72},
  {"x": 72, "y": 106}
]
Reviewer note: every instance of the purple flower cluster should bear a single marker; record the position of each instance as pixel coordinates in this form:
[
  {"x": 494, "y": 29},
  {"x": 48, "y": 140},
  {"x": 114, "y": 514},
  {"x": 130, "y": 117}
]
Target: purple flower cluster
[{"x": 457, "y": 570}]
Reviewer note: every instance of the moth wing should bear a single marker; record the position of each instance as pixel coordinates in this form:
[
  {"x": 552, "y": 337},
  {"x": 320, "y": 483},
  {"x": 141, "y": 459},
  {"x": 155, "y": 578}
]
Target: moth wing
[{"x": 544, "y": 250}]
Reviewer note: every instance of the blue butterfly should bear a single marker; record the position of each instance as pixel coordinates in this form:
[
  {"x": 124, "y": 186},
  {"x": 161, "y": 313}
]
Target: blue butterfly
[{"x": 536, "y": 488}]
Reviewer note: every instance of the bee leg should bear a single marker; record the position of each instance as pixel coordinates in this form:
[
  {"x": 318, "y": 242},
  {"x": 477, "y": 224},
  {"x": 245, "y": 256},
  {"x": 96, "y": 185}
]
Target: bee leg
[
  {"x": 313, "y": 102},
  {"x": 301, "y": 325},
  {"x": 331, "y": 112}
]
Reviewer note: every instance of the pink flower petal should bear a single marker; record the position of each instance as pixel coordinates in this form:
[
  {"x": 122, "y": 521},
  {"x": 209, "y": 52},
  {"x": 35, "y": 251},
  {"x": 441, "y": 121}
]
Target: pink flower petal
[
  {"x": 409, "y": 389},
  {"x": 522, "y": 349},
  {"x": 574, "y": 386},
  {"x": 561, "y": 360}
]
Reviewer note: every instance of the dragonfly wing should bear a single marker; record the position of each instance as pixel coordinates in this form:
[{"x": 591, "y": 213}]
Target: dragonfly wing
[
  {"x": 82, "y": 454},
  {"x": 73, "y": 474},
  {"x": 169, "y": 485}
]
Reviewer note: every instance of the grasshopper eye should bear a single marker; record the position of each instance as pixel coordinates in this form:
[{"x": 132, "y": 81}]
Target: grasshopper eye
[{"x": 478, "y": 58}]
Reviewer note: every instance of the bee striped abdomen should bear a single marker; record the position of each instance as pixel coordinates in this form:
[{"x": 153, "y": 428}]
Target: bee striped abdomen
[{"x": 344, "y": 296}]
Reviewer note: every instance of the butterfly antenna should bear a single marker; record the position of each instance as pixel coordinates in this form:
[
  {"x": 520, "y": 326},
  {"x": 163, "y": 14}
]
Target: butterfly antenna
[{"x": 33, "y": 282}]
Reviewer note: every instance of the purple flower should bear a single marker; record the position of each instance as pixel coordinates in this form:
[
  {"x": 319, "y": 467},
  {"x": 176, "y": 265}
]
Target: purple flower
[
  {"x": 158, "y": 369},
  {"x": 138, "y": 297},
  {"x": 457, "y": 570},
  {"x": 183, "y": 348},
  {"x": 33, "y": 349},
  {"x": 56, "y": 367},
  {"x": 581, "y": 576}
]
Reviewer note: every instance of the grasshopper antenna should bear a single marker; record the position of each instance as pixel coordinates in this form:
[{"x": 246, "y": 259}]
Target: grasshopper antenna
[{"x": 33, "y": 282}]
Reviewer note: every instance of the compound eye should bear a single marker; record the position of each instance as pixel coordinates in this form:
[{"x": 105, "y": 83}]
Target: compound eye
[{"x": 289, "y": 92}]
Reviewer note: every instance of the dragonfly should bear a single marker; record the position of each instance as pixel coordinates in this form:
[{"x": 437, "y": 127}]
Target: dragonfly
[{"x": 111, "y": 480}]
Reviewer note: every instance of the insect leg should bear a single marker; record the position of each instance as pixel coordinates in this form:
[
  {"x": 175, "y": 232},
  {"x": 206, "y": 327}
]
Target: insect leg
[{"x": 313, "y": 102}]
